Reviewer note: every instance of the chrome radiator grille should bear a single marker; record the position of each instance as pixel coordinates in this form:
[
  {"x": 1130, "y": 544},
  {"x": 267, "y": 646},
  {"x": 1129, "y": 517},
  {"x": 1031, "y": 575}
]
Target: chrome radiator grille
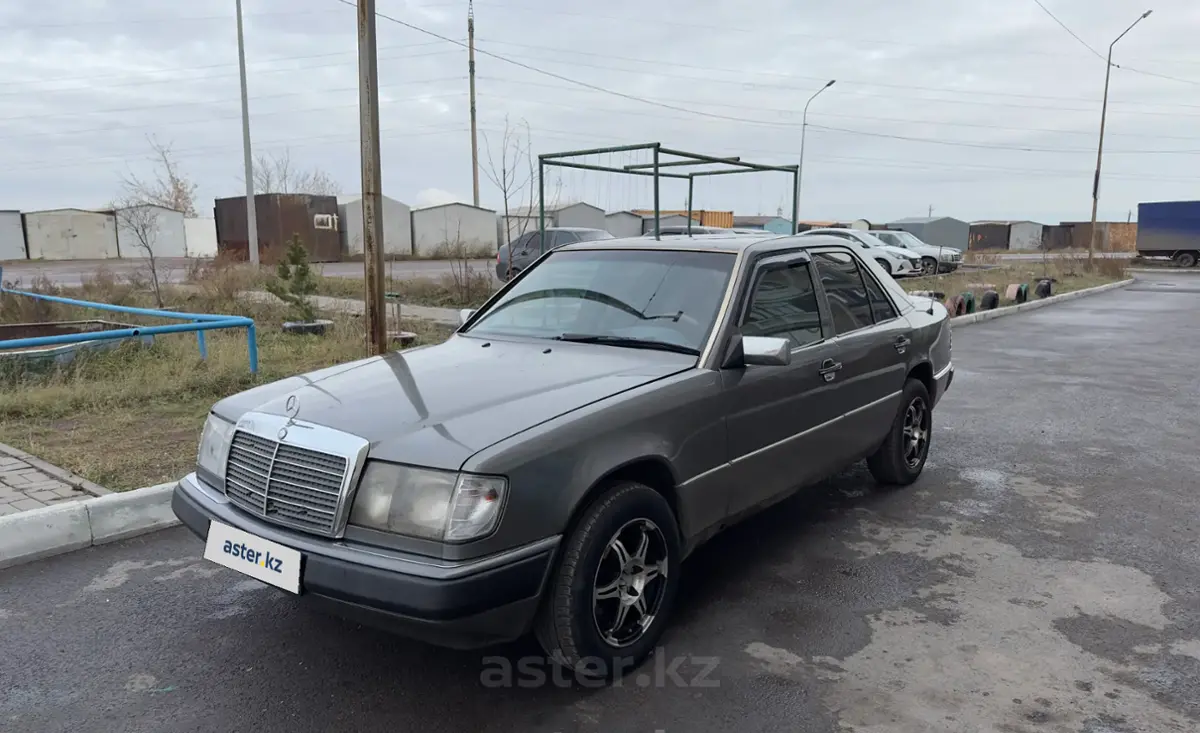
[{"x": 287, "y": 484}]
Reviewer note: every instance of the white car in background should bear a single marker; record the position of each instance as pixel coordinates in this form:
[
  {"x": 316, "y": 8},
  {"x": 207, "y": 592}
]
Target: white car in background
[
  {"x": 934, "y": 259},
  {"x": 896, "y": 261}
]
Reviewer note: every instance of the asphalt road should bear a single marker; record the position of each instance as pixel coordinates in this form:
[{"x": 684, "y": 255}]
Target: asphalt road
[
  {"x": 72, "y": 273},
  {"x": 1041, "y": 577}
]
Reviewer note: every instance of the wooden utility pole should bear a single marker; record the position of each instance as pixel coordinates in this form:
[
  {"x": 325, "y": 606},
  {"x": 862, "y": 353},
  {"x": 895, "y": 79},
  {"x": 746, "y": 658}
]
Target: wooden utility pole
[
  {"x": 372, "y": 194},
  {"x": 471, "y": 73},
  {"x": 251, "y": 214}
]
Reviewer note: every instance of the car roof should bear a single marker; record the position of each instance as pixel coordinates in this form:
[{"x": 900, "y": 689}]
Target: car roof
[{"x": 733, "y": 243}]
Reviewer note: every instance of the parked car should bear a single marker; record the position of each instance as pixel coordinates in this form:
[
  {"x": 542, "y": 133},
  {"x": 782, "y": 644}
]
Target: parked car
[
  {"x": 528, "y": 247},
  {"x": 895, "y": 261},
  {"x": 683, "y": 231},
  {"x": 550, "y": 465},
  {"x": 934, "y": 259}
]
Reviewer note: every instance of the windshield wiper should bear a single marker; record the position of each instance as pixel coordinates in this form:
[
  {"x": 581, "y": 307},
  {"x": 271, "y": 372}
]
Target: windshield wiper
[{"x": 627, "y": 341}]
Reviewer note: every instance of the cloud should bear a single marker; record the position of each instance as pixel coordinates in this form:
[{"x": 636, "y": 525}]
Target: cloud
[{"x": 980, "y": 110}]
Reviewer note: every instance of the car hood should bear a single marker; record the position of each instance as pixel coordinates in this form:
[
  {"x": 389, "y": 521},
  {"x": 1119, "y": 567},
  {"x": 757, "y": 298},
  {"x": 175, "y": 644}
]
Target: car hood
[
  {"x": 436, "y": 406},
  {"x": 899, "y": 252}
]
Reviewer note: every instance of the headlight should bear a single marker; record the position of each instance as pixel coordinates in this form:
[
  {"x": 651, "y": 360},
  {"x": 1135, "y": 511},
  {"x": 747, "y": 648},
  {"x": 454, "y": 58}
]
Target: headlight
[
  {"x": 429, "y": 504},
  {"x": 214, "y": 447}
]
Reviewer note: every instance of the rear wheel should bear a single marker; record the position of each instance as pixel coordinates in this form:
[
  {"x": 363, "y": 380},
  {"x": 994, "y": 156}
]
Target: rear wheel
[
  {"x": 901, "y": 458},
  {"x": 887, "y": 266},
  {"x": 929, "y": 266},
  {"x": 1184, "y": 259},
  {"x": 615, "y": 584}
]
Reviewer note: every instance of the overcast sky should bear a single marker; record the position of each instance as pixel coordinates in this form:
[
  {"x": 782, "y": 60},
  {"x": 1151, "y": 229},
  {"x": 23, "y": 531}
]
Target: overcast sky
[{"x": 978, "y": 109}]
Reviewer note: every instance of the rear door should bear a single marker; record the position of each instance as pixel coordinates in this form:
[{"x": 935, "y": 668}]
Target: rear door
[
  {"x": 873, "y": 340},
  {"x": 780, "y": 424}
]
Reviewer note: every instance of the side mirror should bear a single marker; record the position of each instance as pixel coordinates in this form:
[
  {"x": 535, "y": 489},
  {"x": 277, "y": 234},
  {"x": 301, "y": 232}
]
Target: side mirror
[
  {"x": 464, "y": 315},
  {"x": 766, "y": 351}
]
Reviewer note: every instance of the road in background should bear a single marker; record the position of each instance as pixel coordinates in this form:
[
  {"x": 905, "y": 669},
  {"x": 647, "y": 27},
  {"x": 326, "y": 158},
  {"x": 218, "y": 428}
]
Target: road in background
[
  {"x": 1040, "y": 575},
  {"x": 73, "y": 273}
]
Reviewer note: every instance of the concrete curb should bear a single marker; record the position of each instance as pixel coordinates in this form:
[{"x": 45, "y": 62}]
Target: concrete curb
[
  {"x": 981, "y": 316},
  {"x": 40, "y": 533},
  {"x": 1165, "y": 270},
  {"x": 49, "y": 469}
]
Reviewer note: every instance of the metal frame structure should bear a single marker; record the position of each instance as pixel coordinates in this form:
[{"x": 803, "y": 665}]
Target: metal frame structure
[
  {"x": 200, "y": 322},
  {"x": 678, "y": 159}
]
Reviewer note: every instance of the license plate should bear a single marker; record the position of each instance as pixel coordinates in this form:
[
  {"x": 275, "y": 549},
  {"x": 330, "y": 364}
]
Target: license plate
[{"x": 262, "y": 559}]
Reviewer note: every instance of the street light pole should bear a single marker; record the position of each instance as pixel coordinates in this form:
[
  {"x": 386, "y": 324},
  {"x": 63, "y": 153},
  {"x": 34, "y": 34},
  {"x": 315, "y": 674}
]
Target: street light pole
[
  {"x": 251, "y": 216},
  {"x": 1100, "y": 146},
  {"x": 803, "y": 128}
]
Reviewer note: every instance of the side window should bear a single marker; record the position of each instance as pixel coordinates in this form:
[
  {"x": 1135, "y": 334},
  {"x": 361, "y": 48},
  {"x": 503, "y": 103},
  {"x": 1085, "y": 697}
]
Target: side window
[
  {"x": 848, "y": 299},
  {"x": 522, "y": 241},
  {"x": 881, "y": 307},
  {"x": 558, "y": 239},
  {"x": 534, "y": 243},
  {"x": 784, "y": 305}
]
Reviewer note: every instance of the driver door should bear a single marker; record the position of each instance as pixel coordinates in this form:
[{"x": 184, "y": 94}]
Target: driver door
[{"x": 781, "y": 418}]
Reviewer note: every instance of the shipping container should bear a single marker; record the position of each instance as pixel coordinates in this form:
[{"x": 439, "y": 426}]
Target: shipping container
[
  {"x": 989, "y": 236},
  {"x": 148, "y": 227},
  {"x": 704, "y": 218},
  {"x": 1166, "y": 228},
  {"x": 12, "y": 236},
  {"x": 279, "y": 216},
  {"x": 71, "y": 234},
  {"x": 397, "y": 225}
]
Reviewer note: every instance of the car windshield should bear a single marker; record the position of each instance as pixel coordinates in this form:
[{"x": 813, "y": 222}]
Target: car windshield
[
  {"x": 890, "y": 238},
  {"x": 636, "y": 298}
]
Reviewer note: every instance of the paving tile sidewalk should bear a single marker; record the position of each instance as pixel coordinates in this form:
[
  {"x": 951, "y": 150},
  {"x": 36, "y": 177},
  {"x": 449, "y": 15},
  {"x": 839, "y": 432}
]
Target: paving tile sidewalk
[{"x": 29, "y": 483}]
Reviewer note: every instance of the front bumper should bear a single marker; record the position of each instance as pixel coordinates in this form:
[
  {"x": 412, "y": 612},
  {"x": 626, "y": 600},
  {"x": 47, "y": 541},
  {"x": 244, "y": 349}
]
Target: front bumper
[{"x": 459, "y": 604}]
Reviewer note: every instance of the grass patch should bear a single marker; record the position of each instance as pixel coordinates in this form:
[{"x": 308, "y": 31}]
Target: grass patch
[
  {"x": 131, "y": 416},
  {"x": 451, "y": 290},
  {"x": 1071, "y": 273}
]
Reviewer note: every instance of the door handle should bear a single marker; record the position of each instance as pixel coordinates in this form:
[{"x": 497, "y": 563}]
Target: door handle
[
  {"x": 902, "y": 343},
  {"x": 829, "y": 369}
]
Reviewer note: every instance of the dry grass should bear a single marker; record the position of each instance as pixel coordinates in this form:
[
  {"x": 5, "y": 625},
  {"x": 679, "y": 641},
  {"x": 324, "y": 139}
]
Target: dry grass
[
  {"x": 1071, "y": 273},
  {"x": 447, "y": 291},
  {"x": 131, "y": 416}
]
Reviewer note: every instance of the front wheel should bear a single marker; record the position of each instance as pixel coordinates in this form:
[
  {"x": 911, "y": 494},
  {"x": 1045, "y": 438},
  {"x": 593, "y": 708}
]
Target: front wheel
[
  {"x": 614, "y": 586},
  {"x": 929, "y": 266},
  {"x": 901, "y": 458},
  {"x": 1184, "y": 259},
  {"x": 887, "y": 266}
]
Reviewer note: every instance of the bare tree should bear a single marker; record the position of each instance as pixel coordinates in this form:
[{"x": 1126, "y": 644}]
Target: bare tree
[
  {"x": 276, "y": 173},
  {"x": 513, "y": 170},
  {"x": 139, "y": 221},
  {"x": 167, "y": 186}
]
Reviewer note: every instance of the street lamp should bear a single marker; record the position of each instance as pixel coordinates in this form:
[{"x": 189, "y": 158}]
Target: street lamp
[
  {"x": 1100, "y": 146},
  {"x": 803, "y": 128}
]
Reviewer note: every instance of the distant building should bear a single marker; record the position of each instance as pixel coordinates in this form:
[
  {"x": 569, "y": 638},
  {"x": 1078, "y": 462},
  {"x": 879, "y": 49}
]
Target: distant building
[
  {"x": 571, "y": 214},
  {"x": 623, "y": 224},
  {"x": 773, "y": 224},
  {"x": 12, "y": 236},
  {"x": 940, "y": 231},
  {"x": 168, "y": 238},
  {"x": 71, "y": 234},
  {"x": 666, "y": 220},
  {"x": 397, "y": 225},
  {"x": 279, "y": 217},
  {"x": 201, "y": 235},
  {"x": 1011, "y": 235},
  {"x": 444, "y": 229}
]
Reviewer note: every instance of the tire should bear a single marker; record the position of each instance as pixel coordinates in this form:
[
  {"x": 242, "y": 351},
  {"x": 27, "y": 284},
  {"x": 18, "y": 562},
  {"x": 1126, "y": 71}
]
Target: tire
[
  {"x": 570, "y": 625},
  {"x": 989, "y": 301},
  {"x": 897, "y": 462},
  {"x": 929, "y": 266},
  {"x": 887, "y": 266},
  {"x": 1184, "y": 259}
]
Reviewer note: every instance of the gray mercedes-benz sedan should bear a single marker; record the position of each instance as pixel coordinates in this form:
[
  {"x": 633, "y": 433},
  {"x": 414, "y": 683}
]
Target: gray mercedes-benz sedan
[{"x": 549, "y": 467}]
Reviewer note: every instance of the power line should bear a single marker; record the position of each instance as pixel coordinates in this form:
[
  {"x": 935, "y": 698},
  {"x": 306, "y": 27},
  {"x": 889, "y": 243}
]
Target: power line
[
  {"x": 1021, "y": 148},
  {"x": 170, "y": 69},
  {"x": 174, "y": 105},
  {"x": 791, "y": 113},
  {"x": 151, "y": 20},
  {"x": 207, "y": 119},
  {"x": 205, "y": 152},
  {"x": 1074, "y": 35}
]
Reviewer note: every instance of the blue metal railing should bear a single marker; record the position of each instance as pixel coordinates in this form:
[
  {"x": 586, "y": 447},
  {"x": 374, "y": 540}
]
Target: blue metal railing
[{"x": 200, "y": 322}]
